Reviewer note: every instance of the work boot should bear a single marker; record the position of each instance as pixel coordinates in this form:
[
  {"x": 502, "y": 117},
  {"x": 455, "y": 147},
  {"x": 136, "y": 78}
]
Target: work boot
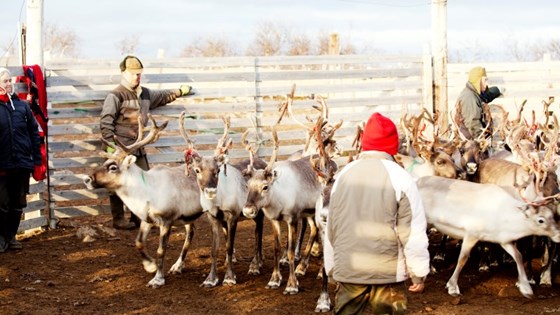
[
  {"x": 3, "y": 244},
  {"x": 134, "y": 219},
  {"x": 15, "y": 244},
  {"x": 122, "y": 224}
]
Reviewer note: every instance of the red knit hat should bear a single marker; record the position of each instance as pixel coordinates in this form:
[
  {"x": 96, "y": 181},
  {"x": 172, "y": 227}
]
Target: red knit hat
[{"x": 380, "y": 134}]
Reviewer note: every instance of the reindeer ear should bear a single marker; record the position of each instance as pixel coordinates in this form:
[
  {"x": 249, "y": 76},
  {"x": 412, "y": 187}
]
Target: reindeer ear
[
  {"x": 222, "y": 159},
  {"x": 128, "y": 160}
]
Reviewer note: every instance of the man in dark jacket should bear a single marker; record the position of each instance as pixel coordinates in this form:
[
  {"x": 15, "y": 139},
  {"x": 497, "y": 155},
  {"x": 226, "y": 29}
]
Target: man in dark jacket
[
  {"x": 119, "y": 117},
  {"x": 472, "y": 104},
  {"x": 20, "y": 154}
]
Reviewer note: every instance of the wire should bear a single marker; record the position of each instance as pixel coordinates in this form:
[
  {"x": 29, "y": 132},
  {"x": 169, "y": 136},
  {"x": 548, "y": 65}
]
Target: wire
[
  {"x": 390, "y": 4},
  {"x": 17, "y": 30}
]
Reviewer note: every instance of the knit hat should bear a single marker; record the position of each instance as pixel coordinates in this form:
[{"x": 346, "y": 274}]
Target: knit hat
[
  {"x": 380, "y": 134},
  {"x": 475, "y": 76},
  {"x": 2, "y": 70},
  {"x": 132, "y": 64}
]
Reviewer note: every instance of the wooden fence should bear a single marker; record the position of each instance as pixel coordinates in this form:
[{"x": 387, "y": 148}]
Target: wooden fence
[{"x": 249, "y": 89}]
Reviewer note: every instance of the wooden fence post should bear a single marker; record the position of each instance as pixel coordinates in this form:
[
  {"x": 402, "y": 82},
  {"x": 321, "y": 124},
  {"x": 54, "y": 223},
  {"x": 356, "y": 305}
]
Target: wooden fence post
[
  {"x": 439, "y": 52},
  {"x": 428, "y": 79},
  {"x": 34, "y": 33}
]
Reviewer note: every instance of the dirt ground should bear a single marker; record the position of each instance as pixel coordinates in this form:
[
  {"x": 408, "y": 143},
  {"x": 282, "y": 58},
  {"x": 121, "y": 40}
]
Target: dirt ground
[{"x": 57, "y": 273}]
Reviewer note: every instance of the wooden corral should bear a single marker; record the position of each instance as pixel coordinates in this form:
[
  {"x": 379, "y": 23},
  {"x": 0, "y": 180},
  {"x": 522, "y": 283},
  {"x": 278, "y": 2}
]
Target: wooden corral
[{"x": 250, "y": 90}]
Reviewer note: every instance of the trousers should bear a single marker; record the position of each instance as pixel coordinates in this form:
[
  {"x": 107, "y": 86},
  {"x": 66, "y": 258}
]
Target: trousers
[
  {"x": 370, "y": 298},
  {"x": 14, "y": 187}
]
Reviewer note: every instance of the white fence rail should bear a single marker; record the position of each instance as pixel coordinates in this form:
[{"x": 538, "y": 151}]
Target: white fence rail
[{"x": 249, "y": 89}]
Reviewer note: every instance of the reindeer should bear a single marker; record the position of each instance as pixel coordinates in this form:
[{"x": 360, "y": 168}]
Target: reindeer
[
  {"x": 328, "y": 144},
  {"x": 162, "y": 196},
  {"x": 431, "y": 157},
  {"x": 285, "y": 191},
  {"x": 486, "y": 213},
  {"x": 540, "y": 168},
  {"x": 223, "y": 193},
  {"x": 325, "y": 169}
]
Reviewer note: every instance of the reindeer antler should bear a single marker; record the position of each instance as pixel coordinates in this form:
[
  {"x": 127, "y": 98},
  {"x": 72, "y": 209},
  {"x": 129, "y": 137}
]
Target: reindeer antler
[{"x": 140, "y": 142}]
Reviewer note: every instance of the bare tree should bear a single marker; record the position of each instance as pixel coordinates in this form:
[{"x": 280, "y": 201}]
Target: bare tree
[
  {"x": 299, "y": 45},
  {"x": 128, "y": 45},
  {"x": 212, "y": 47},
  {"x": 269, "y": 41},
  {"x": 60, "y": 42}
]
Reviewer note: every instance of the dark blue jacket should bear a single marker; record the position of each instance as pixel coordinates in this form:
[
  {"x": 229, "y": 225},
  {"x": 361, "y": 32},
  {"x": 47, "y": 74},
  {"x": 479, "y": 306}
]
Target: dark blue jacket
[{"x": 20, "y": 145}]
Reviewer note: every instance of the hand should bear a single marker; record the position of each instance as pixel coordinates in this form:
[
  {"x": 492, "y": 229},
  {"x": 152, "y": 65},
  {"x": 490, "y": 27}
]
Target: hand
[
  {"x": 39, "y": 172},
  {"x": 416, "y": 287},
  {"x": 186, "y": 90}
]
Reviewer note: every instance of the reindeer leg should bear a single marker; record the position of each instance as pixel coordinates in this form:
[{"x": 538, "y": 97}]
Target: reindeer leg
[
  {"x": 225, "y": 229},
  {"x": 159, "y": 279},
  {"x": 147, "y": 261},
  {"x": 284, "y": 260},
  {"x": 324, "y": 302},
  {"x": 301, "y": 236},
  {"x": 551, "y": 252},
  {"x": 177, "y": 267},
  {"x": 229, "y": 278},
  {"x": 304, "y": 262},
  {"x": 276, "y": 278},
  {"x": 522, "y": 282},
  {"x": 212, "y": 278},
  {"x": 466, "y": 247},
  {"x": 257, "y": 262},
  {"x": 292, "y": 285}
]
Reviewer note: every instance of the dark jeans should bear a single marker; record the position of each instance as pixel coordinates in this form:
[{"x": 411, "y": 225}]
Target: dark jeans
[
  {"x": 370, "y": 299},
  {"x": 117, "y": 206},
  {"x": 14, "y": 186}
]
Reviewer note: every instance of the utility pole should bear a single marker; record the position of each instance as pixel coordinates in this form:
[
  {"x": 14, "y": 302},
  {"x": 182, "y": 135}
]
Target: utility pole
[
  {"x": 34, "y": 33},
  {"x": 439, "y": 53}
]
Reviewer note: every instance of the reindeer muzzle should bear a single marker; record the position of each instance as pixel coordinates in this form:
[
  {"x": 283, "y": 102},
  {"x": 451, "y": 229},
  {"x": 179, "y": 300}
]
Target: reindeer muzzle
[{"x": 250, "y": 212}]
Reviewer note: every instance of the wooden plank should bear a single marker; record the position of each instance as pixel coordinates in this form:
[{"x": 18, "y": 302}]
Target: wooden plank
[
  {"x": 78, "y": 194},
  {"x": 35, "y": 205},
  {"x": 34, "y": 223},
  {"x": 76, "y": 211}
]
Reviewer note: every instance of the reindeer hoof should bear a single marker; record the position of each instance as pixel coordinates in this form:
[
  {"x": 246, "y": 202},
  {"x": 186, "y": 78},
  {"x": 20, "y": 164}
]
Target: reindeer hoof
[
  {"x": 149, "y": 266},
  {"x": 156, "y": 283},
  {"x": 209, "y": 283},
  {"x": 229, "y": 281},
  {"x": 291, "y": 290},
  {"x": 254, "y": 271}
]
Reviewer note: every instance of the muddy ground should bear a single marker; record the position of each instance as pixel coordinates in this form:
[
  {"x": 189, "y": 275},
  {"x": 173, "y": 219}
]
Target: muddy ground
[{"x": 58, "y": 273}]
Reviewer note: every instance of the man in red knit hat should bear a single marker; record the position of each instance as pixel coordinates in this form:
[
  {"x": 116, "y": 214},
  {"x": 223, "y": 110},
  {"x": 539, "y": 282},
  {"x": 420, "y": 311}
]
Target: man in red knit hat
[{"x": 376, "y": 228}]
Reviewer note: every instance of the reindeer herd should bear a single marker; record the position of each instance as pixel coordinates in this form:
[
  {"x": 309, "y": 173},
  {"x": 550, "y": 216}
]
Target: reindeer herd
[{"x": 499, "y": 189}]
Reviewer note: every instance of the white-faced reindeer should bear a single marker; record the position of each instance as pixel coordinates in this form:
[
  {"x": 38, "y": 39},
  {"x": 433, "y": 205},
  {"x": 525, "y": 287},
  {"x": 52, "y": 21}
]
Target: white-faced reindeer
[
  {"x": 162, "y": 196},
  {"x": 485, "y": 212},
  {"x": 285, "y": 191},
  {"x": 223, "y": 192}
]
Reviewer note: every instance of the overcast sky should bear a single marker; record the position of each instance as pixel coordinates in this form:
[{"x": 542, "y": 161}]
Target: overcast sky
[{"x": 390, "y": 26}]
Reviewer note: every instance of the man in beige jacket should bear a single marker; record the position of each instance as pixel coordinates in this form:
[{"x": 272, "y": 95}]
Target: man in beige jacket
[{"x": 376, "y": 228}]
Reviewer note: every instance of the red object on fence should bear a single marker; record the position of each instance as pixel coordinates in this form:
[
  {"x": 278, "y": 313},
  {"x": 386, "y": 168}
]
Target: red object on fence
[{"x": 36, "y": 95}]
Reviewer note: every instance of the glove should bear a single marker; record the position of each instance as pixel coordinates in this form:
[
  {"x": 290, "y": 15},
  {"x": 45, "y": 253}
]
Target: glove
[
  {"x": 110, "y": 149},
  {"x": 186, "y": 90},
  {"x": 40, "y": 172}
]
